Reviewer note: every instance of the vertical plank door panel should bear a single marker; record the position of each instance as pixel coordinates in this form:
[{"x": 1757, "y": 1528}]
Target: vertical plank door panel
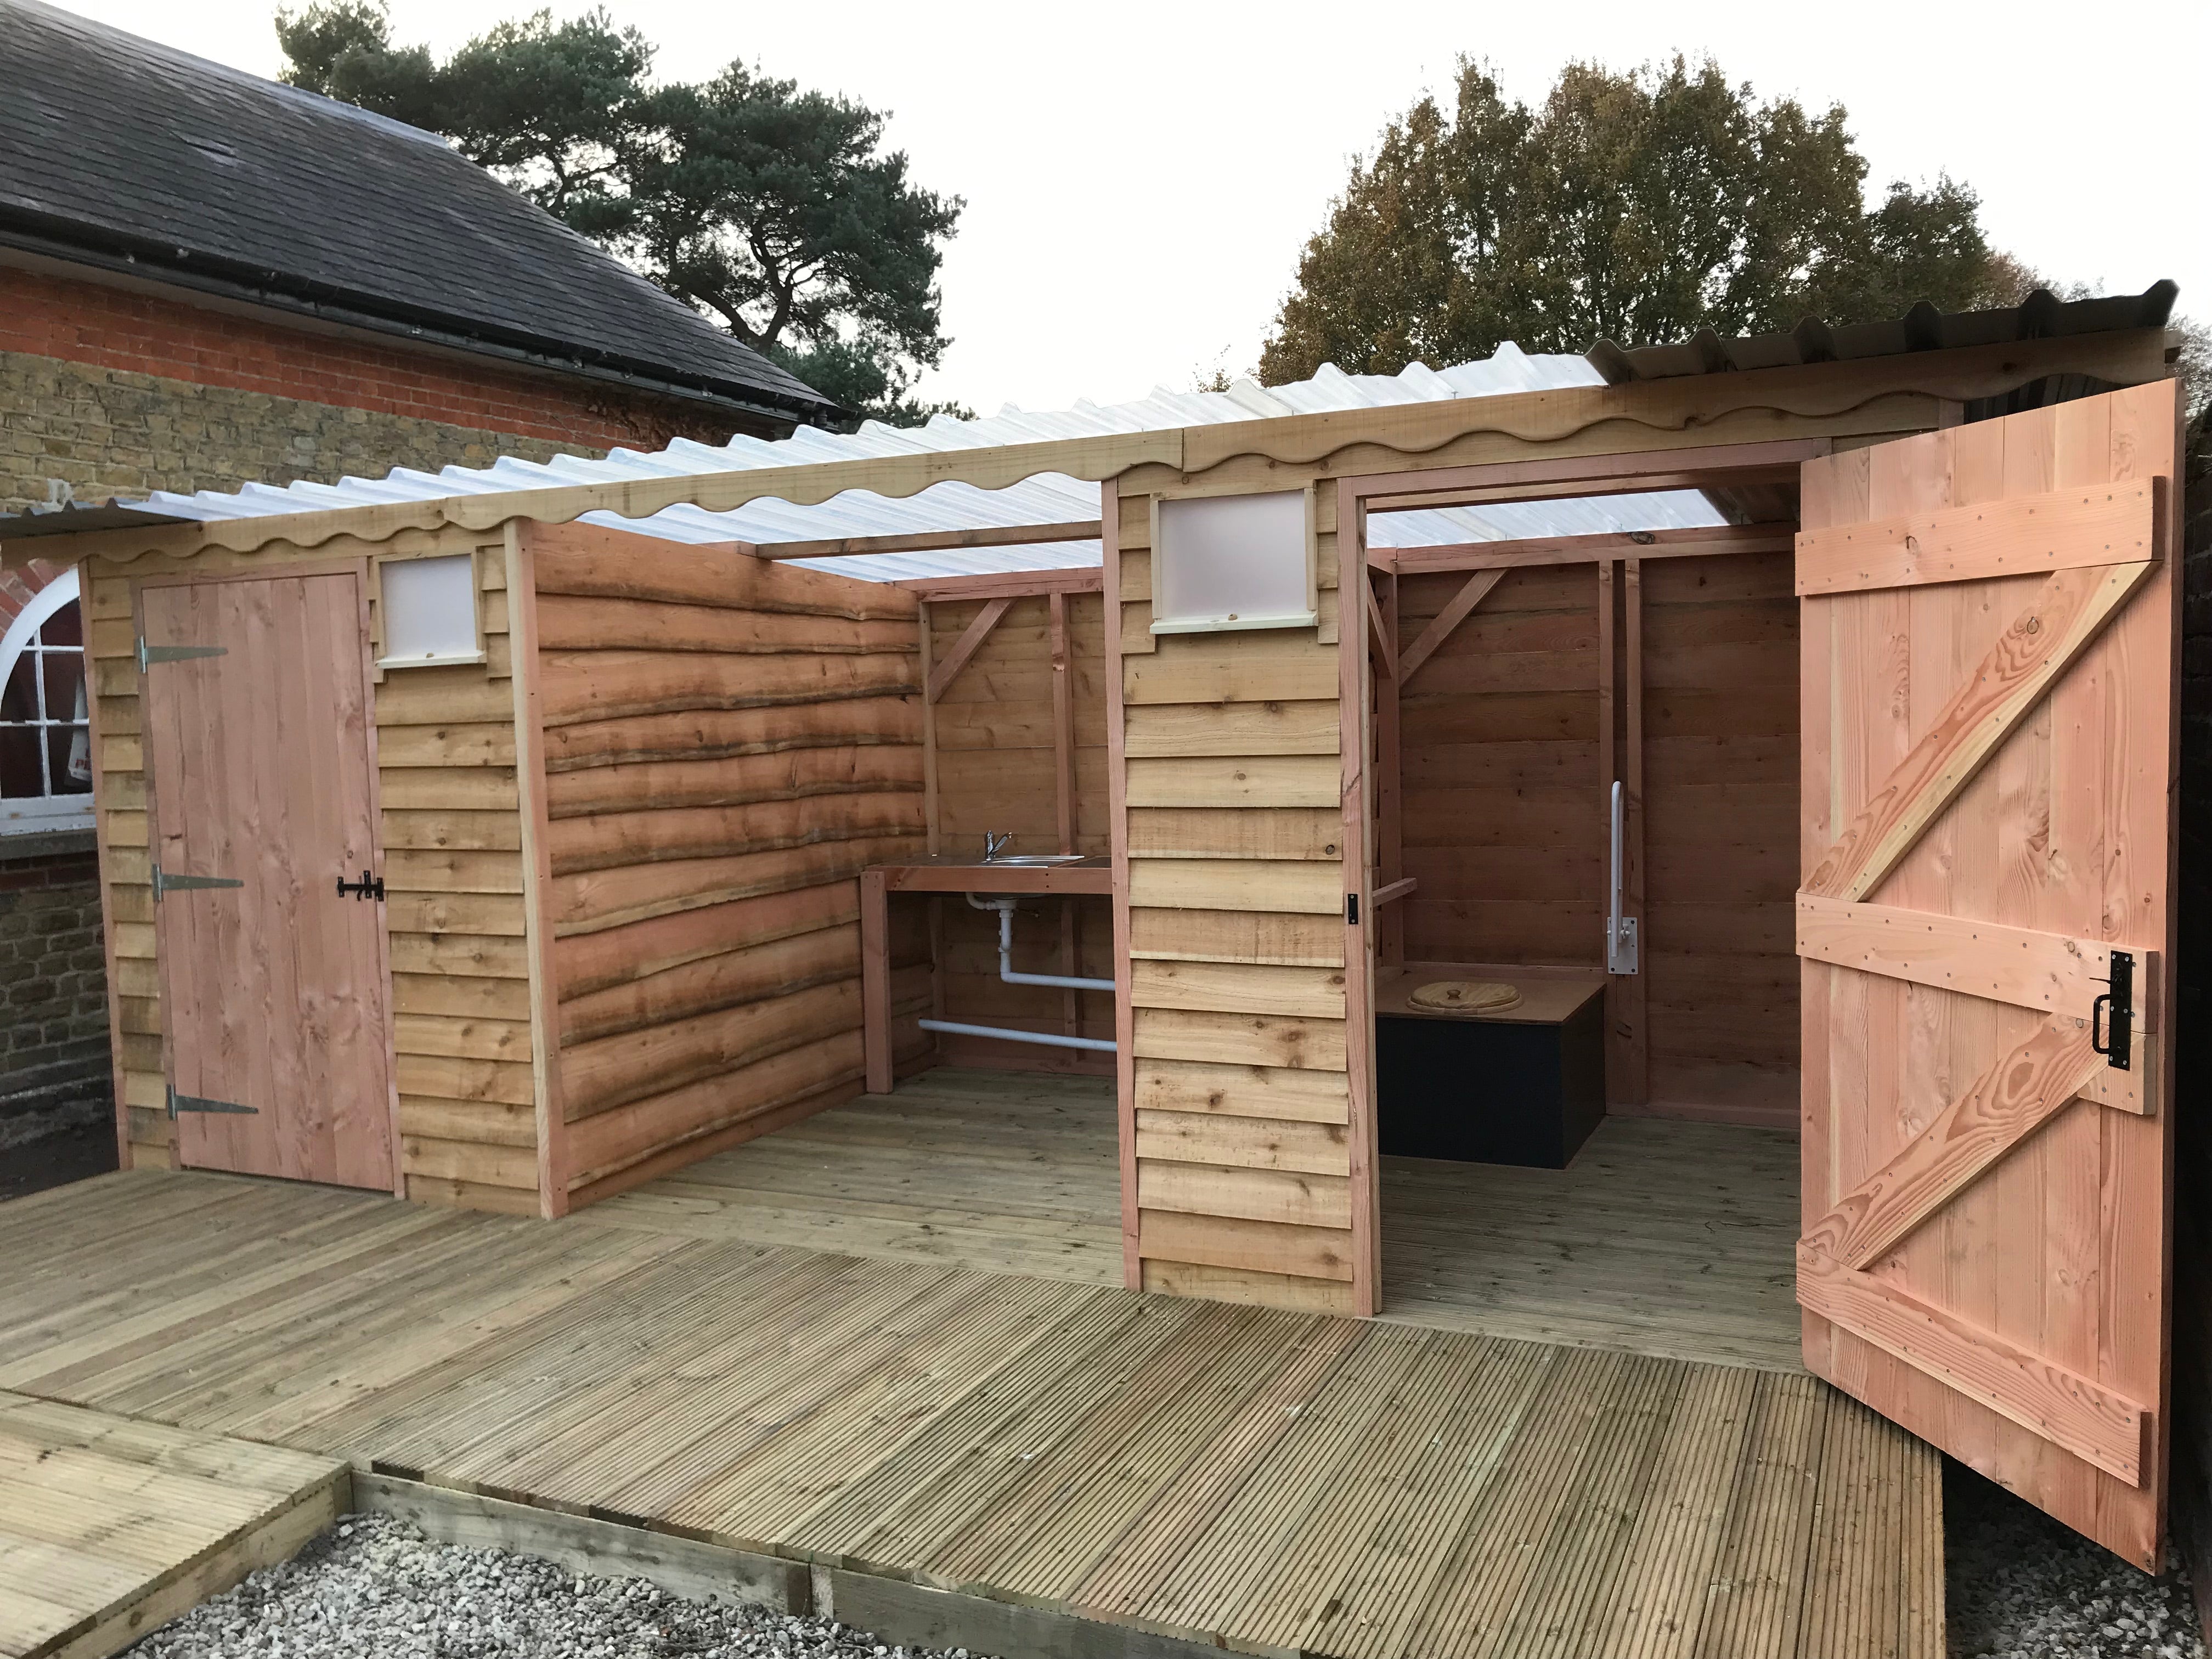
[
  {"x": 262, "y": 773},
  {"x": 2012, "y": 1309}
]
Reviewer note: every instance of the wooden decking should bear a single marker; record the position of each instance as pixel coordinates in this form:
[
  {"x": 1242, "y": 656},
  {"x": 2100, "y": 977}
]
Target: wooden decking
[
  {"x": 1677, "y": 1240},
  {"x": 1264, "y": 1481},
  {"x": 110, "y": 1527},
  {"x": 1667, "y": 1238},
  {"x": 1005, "y": 1171}
]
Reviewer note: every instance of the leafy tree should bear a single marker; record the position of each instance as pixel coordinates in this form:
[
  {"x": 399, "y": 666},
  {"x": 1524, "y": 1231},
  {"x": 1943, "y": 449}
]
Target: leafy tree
[
  {"x": 774, "y": 210},
  {"x": 1637, "y": 207}
]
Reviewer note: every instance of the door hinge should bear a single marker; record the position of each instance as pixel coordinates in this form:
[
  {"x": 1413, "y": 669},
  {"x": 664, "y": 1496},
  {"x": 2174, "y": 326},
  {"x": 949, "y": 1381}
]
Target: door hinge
[
  {"x": 168, "y": 884},
  {"x": 368, "y": 887},
  {"x": 2112, "y": 1015},
  {"x": 200, "y": 1103},
  {"x": 150, "y": 655}
]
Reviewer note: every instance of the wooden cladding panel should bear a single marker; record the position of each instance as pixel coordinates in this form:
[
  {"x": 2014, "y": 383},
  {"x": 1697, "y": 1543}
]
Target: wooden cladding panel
[
  {"x": 1720, "y": 812},
  {"x": 1503, "y": 821},
  {"x": 1241, "y": 1154},
  {"x": 449, "y": 832},
  {"x": 994, "y": 727},
  {"x": 728, "y": 743}
]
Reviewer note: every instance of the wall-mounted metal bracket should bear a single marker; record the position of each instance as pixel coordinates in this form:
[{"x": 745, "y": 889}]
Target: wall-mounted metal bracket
[
  {"x": 168, "y": 884},
  {"x": 150, "y": 655},
  {"x": 200, "y": 1103}
]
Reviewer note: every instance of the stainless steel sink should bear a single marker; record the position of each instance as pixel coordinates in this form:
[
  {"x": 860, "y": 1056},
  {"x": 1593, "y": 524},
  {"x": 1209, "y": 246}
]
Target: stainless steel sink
[{"x": 1037, "y": 858}]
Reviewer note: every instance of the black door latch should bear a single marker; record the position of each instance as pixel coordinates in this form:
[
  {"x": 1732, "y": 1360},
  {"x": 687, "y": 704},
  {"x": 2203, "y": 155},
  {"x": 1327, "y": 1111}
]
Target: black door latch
[
  {"x": 2112, "y": 1015},
  {"x": 368, "y": 887}
]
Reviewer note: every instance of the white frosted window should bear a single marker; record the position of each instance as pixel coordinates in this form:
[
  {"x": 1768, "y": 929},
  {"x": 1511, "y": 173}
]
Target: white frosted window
[
  {"x": 1232, "y": 562},
  {"x": 430, "y": 610}
]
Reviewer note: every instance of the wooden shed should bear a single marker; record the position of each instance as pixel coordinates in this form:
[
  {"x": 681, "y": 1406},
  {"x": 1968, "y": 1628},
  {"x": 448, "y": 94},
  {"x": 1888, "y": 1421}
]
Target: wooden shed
[{"x": 503, "y": 856}]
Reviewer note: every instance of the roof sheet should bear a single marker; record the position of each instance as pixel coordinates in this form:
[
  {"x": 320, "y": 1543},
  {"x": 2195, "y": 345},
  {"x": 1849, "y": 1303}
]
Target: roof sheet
[
  {"x": 117, "y": 147},
  {"x": 1046, "y": 498},
  {"x": 2041, "y": 316}
]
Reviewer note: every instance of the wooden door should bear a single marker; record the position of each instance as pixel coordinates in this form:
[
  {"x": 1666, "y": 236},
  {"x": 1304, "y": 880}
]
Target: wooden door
[
  {"x": 273, "y": 989},
  {"x": 1989, "y": 657}
]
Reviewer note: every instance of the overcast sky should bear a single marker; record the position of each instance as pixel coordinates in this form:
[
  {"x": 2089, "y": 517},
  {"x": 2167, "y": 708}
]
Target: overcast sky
[{"x": 1139, "y": 177}]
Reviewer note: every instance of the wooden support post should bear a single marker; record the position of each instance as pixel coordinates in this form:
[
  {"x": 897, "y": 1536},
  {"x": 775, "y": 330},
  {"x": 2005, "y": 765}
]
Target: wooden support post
[
  {"x": 1355, "y": 702},
  {"x": 553, "y": 1163},
  {"x": 928, "y": 739},
  {"x": 1117, "y": 830},
  {"x": 1063, "y": 777},
  {"x": 1632, "y": 1021},
  {"x": 1389, "y": 777},
  {"x": 875, "y": 982}
]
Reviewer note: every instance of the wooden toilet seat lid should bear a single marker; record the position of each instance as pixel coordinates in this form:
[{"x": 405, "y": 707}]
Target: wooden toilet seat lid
[{"x": 1467, "y": 996}]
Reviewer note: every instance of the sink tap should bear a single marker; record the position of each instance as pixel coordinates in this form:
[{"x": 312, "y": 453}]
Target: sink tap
[{"x": 994, "y": 845}]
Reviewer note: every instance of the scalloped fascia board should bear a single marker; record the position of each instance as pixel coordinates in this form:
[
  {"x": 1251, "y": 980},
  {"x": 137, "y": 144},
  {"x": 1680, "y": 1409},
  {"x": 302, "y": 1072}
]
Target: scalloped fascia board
[{"x": 1646, "y": 414}]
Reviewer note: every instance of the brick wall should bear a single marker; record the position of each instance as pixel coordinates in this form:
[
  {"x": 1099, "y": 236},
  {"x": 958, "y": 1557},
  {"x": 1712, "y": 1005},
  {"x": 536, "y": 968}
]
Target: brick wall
[
  {"x": 115, "y": 392},
  {"x": 53, "y": 984}
]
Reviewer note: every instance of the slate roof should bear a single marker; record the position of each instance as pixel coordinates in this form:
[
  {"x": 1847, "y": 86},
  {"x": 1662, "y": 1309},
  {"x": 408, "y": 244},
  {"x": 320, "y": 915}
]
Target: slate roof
[{"x": 118, "y": 152}]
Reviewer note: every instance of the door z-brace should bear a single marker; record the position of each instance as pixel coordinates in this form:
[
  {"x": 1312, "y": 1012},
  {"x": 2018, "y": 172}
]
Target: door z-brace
[
  {"x": 150, "y": 655},
  {"x": 167, "y": 884},
  {"x": 199, "y": 1104}
]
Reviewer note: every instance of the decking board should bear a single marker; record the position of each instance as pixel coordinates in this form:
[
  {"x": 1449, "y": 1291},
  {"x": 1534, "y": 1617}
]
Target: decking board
[
  {"x": 110, "y": 1526},
  {"x": 1258, "y": 1479}
]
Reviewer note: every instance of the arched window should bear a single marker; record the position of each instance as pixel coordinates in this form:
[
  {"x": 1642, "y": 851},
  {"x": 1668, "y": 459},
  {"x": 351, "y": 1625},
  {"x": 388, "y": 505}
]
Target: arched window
[{"x": 46, "y": 744}]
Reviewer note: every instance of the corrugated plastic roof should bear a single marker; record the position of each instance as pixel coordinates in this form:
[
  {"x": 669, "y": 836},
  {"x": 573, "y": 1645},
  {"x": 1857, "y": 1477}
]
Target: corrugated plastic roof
[{"x": 1046, "y": 498}]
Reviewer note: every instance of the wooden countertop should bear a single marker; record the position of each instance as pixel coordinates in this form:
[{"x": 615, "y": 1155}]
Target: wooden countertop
[
  {"x": 960, "y": 873},
  {"x": 1549, "y": 996}
]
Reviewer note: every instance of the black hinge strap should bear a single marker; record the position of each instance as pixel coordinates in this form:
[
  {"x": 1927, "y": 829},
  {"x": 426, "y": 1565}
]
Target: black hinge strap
[
  {"x": 200, "y": 1103},
  {"x": 150, "y": 655}
]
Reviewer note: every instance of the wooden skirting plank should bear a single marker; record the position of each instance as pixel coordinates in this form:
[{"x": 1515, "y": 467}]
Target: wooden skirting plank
[
  {"x": 1311, "y": 888},
  {"x": 2051, "y": 973},
  {"x": 1293, "y": 780},
  {"x": 1308, "y": 833},
  {"x": 1252, "y": 1143},
  {"x": 1256, "y": 1246},
  {"x": 1237, "y": 729},
  {"x": 1237, "y": 989},
  {"x": 1312, "y": 940},
  {"x": 2022, "y": 535},
  {"x": 1188, "y": 1086},
  {"x": 1240, "y": 1039},
  {"x": 2096, "y": 1424}
]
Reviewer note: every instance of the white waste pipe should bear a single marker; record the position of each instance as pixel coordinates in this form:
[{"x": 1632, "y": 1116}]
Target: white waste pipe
[
  {"x": 1098, "y": 1044},
  {"x": 1004, "y": 907}
]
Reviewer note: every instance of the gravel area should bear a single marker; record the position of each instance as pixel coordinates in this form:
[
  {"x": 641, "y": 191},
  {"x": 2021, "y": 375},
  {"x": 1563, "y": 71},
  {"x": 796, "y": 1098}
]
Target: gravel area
[
  {"x": 2018, "y": 1585},
  {"x": 374, "y": 1588}
]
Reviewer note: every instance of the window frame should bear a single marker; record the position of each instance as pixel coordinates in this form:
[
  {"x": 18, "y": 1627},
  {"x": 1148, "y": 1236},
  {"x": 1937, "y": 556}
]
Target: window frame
[{"x": 31, "y": 815}]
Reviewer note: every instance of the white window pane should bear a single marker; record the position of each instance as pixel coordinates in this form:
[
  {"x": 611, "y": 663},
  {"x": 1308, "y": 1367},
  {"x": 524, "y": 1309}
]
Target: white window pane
[
  {"x": 429, "y": 608},
  {"x": 1232, "y": 561}
]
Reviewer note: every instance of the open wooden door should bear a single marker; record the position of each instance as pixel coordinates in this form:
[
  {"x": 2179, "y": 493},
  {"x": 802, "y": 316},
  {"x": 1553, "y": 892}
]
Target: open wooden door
[
  {"x": 1989, "y": 659},
  {"x": 273, "y": 979}
]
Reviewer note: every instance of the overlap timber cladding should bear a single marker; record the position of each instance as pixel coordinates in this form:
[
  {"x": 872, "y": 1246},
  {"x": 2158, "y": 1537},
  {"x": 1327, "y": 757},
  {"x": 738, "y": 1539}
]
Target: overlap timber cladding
[
  {"x": 727, "y": 743},
  {"x": 1237, "y": 945},
  {"x": 452, "y": 836},
  {"x": 995, "y": 771}
]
